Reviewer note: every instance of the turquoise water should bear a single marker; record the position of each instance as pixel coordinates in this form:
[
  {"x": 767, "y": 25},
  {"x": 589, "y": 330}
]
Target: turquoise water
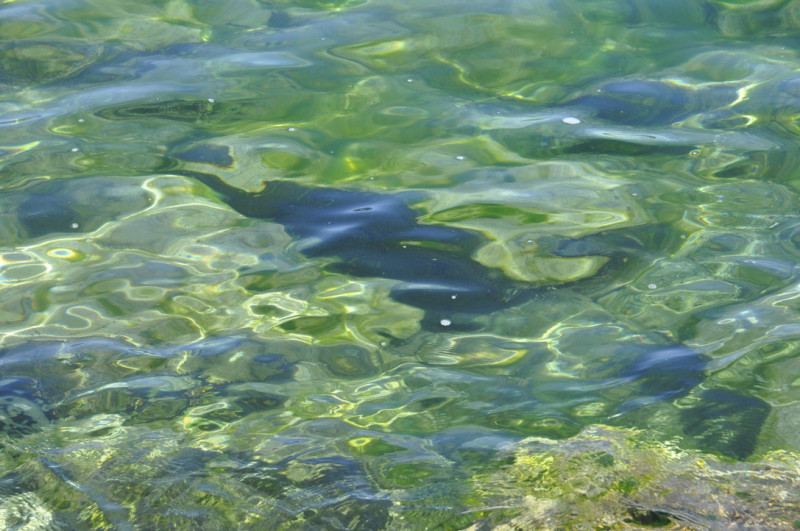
[{"x": 361, "y": 265}]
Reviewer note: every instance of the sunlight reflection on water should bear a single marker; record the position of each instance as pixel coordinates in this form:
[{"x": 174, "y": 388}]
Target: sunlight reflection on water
[{"x": 502, "y": 225}]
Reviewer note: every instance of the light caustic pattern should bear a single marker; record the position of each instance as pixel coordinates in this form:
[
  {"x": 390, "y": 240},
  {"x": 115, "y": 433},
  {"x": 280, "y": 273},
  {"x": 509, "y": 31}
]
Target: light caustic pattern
[{"x": 578, "y": 215}]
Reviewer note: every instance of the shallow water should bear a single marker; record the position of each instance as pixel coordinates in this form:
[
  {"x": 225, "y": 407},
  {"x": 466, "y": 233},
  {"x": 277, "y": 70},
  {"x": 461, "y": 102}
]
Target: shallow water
[{"x": 360, "y": 265}]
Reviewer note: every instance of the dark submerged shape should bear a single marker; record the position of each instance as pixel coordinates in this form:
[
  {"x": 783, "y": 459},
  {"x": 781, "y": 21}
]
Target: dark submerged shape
[
  {"x": 726, "y": 421},
  {"x": 377, "y": 235},
  {"x": 638, "y": 102},
  {"x": 43, "y": 214}
]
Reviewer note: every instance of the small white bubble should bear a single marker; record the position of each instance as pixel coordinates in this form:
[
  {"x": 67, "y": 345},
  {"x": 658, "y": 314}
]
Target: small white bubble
[
  {"x": 323, "y": 38},
  {"x": 528, "y": 241},
  {"x": 410, "y": 80},
  {"x": 211, "y": 100},
  {"x": 384, "y": 343},
  {"x": 634, "y": 194},
  {"x": 74, "y": 225},
  {"x": 459, "y": 157},
  {"x": 74, "y": 150},
  {"x": 652, "y": 286},
  {"x": 81, "y": 120},
  {"x": 405, "y": 247},
  {"x": 292, "y": 129},
  {"x": 446, "y": 322},
  {"x": 453, "y": 297},
  {"x": 571, "y": 120}
]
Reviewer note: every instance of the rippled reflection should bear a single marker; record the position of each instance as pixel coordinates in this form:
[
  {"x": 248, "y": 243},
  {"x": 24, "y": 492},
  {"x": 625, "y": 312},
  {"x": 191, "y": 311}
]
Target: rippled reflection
[{"x": 355, "y": 264}]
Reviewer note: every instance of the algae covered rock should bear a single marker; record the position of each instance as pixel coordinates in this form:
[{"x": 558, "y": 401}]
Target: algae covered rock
[{"x": 618, "y": 479}]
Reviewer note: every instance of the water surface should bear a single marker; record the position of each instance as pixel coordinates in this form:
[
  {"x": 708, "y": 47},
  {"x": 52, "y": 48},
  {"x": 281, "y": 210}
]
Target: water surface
[{"x": 523, "y": 264}]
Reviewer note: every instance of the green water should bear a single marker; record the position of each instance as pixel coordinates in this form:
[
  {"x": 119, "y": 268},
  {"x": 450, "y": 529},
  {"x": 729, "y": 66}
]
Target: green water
[{"x": 168, "y": 363}]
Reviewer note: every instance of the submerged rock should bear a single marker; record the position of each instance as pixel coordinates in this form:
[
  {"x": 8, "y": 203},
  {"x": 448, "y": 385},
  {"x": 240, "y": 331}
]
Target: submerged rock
[
  {"x": 609, "y": 478},
  {"x": 52, "y": 207},
  {"x": 20, "y": 409},
  {"x": 638, "y": 102},
  {"x": 726, "y": 422}
]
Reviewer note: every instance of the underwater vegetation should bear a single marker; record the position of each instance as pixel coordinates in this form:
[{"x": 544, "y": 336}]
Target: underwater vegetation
[
  {"x": 612, "y": 478},
  {"x": 128, "y": 450}
]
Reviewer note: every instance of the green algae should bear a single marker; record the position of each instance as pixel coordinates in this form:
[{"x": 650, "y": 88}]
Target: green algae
[
  {"x": 618, "y": 479},
  {"x": 603, "y": 477}
]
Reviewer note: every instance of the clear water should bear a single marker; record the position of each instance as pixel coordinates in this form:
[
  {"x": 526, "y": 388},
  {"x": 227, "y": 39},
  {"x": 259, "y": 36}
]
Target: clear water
[{"x": 379, "y": 265}]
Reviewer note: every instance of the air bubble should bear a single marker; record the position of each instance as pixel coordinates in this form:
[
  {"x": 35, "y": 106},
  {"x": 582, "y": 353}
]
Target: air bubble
[
  {"x": 446, "y": 322},
  {"x": 571, "y": 120}
]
